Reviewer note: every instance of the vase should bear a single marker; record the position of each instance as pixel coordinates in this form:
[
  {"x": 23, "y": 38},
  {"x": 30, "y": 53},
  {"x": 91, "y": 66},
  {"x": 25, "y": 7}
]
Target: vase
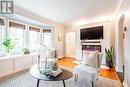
[
  {"x": 55, "y": 66},
  {"x": 109, "y": 63}
]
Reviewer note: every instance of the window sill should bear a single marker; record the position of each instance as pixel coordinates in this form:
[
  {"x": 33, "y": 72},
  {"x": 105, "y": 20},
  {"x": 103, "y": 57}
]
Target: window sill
[{"x": 17, "y": 56}]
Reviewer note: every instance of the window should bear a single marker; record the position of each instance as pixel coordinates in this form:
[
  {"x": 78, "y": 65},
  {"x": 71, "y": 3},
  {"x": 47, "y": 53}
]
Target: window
[
  {"x": 47, "y": 38},
  {"x": 34, "y": 38},
  {"x": 17, "y": 32},
  {"x": 1, "y": 32}
]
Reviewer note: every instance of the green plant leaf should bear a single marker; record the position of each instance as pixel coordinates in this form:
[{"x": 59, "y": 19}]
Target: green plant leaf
[{"x": 8, "y": 44}]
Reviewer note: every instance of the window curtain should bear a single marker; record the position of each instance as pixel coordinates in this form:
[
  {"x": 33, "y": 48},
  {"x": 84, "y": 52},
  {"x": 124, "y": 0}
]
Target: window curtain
[
  {"x": 46, "y": 30},
  {"x": 16, "y": 25},
  {"x": 2, "y": 22},
  {"x": 34, "y": 29}
]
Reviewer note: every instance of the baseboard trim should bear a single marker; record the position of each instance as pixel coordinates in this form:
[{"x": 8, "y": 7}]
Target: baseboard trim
[
  {"x": 66, "y": 57},
  {"x": 125, "y": 84},
  {"x": 60, "y": 57}
]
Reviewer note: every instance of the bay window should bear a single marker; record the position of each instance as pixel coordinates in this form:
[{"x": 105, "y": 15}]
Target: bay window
[
  {"x": 17, "y": 32},
  {"x": 47, "y": 38},
  {"x": 31, "y": 39},
  {"x": 34, "y": 38}
]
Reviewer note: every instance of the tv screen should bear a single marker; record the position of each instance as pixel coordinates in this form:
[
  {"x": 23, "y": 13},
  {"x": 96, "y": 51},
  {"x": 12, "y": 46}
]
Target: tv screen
[{"x": 91, "y": 33}]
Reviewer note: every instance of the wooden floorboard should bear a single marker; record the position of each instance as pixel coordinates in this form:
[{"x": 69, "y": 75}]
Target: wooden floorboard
[{"x": 108, "y": 73}]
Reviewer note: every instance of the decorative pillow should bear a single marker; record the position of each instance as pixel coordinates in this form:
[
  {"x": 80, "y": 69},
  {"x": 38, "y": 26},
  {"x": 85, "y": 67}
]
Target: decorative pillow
[
  {"x": 90, "y": 58},
  {"x": 51, "y": 54}
]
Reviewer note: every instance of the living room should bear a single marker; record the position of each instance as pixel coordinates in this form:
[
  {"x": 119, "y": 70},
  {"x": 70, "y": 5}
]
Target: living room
[{"x": 49, "y": 43}]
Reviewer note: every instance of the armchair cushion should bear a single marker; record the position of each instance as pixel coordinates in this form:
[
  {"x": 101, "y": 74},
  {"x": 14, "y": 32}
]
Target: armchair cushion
[
  {"x": 90, "y": 58},
  {"x": 89, "y": 72}
]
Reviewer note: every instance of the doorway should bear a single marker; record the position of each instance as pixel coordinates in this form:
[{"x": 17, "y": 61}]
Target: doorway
[
  {"x": 121, "y": 46},
  {"x": 70, "y": 44}
]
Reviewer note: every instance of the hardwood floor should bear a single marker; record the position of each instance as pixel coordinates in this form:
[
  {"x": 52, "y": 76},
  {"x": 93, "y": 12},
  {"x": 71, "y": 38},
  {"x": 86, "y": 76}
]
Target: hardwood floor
[
  {"x": 108, "y": 73},
  {"x": 67, "y": 62}
]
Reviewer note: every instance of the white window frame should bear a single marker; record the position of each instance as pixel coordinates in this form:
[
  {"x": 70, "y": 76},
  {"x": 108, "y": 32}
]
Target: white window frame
[
  {"x": 2, "y": 35},
  {"x": 38, "y": 38},
  {"x": 50, "y": 40},
  {"x": 24, "y": 36}
]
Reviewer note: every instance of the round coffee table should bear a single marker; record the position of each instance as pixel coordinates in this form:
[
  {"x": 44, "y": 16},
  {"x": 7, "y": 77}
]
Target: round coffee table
[{"x": 34, "y": 71}]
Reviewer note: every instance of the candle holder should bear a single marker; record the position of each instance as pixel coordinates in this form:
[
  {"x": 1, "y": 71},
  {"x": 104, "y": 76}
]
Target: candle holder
[
  {"x": 38, "y": 61},
  {"x": 48, "y": 65}
]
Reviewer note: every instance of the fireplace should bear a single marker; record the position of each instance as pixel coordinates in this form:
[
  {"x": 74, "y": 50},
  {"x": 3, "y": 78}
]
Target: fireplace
[{"x": 91, "y": 47}]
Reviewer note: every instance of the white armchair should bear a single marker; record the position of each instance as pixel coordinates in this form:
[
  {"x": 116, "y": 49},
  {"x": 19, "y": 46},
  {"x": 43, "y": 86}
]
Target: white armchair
[{"x": 90, "y": 67}]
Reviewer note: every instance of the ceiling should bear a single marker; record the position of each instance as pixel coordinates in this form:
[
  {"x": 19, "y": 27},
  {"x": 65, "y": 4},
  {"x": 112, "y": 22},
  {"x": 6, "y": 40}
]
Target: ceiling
[{"x": 67, "y": 12}]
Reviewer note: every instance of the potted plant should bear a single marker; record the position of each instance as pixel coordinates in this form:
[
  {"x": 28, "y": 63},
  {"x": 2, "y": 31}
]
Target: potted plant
[
  {"x": 109, "y": 56},
  {"x": 26, "y": 51},
  {"x": 8, "y": 44}
]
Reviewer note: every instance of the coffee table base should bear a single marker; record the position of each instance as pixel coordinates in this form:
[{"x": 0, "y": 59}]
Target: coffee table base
[
  {"x": 64, "y": 83},
  {"x": 39, "y": 81}
]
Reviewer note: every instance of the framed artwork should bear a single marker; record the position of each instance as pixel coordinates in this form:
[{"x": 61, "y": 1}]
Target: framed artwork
[{"x": 59, "y": 37}]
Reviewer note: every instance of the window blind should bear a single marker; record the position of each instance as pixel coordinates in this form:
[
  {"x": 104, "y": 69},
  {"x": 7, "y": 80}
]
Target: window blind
[
  {"x": 16, "y": 25},
  {"x": 46, "y": 30},
  {"x": 34, "y": 29},
  {"x": 2, "y": 21}
]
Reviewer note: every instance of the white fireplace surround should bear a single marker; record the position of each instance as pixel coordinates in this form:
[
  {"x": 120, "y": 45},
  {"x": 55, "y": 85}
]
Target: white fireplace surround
[
  {"x": 106, "y": 42},
  {"x": 92, "y": 43}
]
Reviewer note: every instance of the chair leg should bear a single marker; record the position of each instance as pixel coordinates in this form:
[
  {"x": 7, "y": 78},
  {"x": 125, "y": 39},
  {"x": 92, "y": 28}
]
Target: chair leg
[
  {"x": 92, "y": 84},
  {"x": 75, "y": 77}
]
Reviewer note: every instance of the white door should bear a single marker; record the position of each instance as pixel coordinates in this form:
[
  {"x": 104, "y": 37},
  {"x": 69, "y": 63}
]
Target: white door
[{"x": 70, "y": 44}]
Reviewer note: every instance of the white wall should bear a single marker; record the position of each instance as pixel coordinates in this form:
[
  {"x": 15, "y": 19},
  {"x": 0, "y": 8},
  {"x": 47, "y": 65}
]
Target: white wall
[
  {"x": 59, "y": 44},
  {"x": 125, "y": 10},
  {"x": 127, "y": 43},
  {"x": 119, "y": 43}
]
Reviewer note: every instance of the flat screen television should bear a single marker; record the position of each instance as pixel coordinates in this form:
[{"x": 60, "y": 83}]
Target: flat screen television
[{"x": 91, "y": 33}]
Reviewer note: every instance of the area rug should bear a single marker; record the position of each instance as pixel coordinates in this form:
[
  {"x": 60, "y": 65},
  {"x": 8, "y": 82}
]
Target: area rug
[{"x": 26, "y": 80}]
